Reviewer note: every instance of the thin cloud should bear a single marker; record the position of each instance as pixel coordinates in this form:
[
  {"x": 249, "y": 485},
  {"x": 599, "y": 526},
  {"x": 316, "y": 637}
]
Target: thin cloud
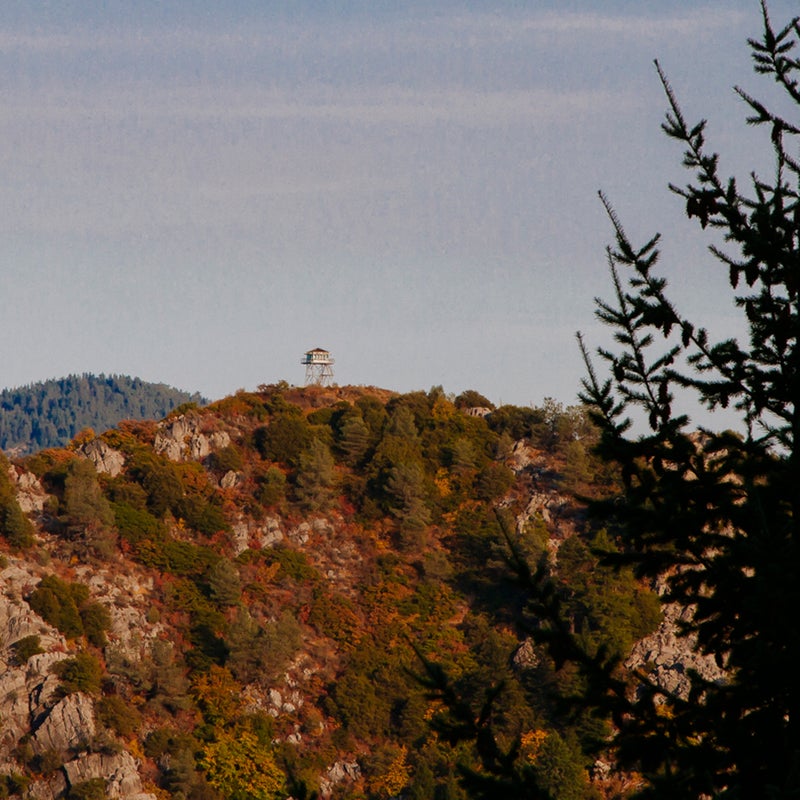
[
  {"x": 695, "y": 24},
  {"x": 382, "y": 106},
  {"x": 412, "y": 32}
]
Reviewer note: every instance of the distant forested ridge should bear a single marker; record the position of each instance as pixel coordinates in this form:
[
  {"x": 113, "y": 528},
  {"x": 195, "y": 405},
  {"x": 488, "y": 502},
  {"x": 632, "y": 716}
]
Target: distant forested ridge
[{"x": 50, "y": 413}]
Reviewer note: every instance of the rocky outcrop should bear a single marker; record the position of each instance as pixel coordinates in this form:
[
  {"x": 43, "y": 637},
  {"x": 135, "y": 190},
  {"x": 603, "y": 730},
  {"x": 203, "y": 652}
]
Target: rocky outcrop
[
  {"x": 271, "y": 532},
  {"x": 68, "y": 725},
  {"x": 104, "y": 457},
  {"x": 32, "y": 705},
  {"x": 246, "y": 533},
  {"x": 338, "y": 773},
  {"x": 26, "y": 689},
  {"x": 669, "y": 656},
  {"x": 181, "y": 439},
  {"x": 230, "y": 479},
  {"x": 119, "y": 770},
  {"x": 548, "y": 506},
  {"x": 523, "y": 456},
  {"x": 525, "y": 656},
  {"x": 48, "y": 789},
  {"x": 30, "y": 494},
  {"x": 127, "y": 598}
]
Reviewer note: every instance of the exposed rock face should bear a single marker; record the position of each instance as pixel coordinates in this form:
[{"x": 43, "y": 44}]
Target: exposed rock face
[
  {"x": 30, "y": 494},
  {"x": 41, "y": 685},
  {"x": 340, "y": 772},
  {"x": 127, "y": 600},
  {"x": 525, "y": 656},
  {"x": 119, "y": 770},
  {"x": 173, "y": 436},
  {"x": 271, "y": 532},
  {"x": 230, "y": 479},
  {"x": 524, "y": 456},
  {"x": 53, "y": 787},
  {"x": 246, "y": 532},
  {"x": 300, "y": 534},
  {"x": 671, "y": 656},
  {"x": 547, "y": 505},
  {"x": 31, "y": 702},
  {"x": 240, "y": 536},
  {"x": 181, "y": 439},
  {"x": 25, "y": 689},
  {"x": 218, "y": 440},
  {"x": 70, "y": 724},
  {"x": 104, "y": 457}
]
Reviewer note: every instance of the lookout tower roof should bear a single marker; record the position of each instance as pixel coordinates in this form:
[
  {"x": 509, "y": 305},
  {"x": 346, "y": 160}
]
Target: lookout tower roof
[
  {"x": 319, "y": 367},
  {"x": 317, "y": 356}
]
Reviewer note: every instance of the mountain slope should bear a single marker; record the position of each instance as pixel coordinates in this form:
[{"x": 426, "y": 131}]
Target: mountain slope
[
  {"x": 254, "y": 582},
  {"x": 50, "y": 413}
]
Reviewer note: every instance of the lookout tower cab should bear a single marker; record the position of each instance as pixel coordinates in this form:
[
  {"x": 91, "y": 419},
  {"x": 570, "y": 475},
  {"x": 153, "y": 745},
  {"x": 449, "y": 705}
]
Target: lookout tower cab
[{"x": 319, "y": 367}]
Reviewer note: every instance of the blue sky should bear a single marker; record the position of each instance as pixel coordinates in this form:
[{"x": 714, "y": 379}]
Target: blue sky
[{"x": 198, "y": 192}]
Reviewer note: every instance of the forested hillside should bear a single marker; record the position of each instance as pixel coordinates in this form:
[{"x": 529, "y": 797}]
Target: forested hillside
[
  {"x": 50, "y": 413},
  {"x": 249, "y": 600}
]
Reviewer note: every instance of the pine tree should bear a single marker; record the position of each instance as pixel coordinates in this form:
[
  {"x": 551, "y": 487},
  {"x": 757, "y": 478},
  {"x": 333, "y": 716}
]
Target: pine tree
[
  {"x": 714, "y": 515},
  {"x": 316, "y": 477}
]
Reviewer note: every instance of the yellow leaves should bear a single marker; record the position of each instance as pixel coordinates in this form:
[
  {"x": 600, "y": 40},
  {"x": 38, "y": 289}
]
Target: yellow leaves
[
  {"x": 396, "y": 777},
  {"x": 218, "y": 694},
  {"x": 442, "y": 482},
  {"x": 241, "y": 767},
  {"x": 531, "y": 744},
  {"x": 449, "y": 518},
  {"x": 269, "y": 572},
  {"x": 81, "y": 438},
  {"x": 665, "y": 711},
  {"x": 442, "y": 409}
]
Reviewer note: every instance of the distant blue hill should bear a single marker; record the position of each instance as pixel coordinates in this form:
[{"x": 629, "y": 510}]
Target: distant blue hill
[{"x": 50, "y": 413}]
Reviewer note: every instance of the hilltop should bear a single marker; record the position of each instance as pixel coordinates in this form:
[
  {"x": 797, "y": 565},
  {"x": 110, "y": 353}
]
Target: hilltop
[
  {"x": 50, "y": 413},
  {"x": 233, "y": 602}
]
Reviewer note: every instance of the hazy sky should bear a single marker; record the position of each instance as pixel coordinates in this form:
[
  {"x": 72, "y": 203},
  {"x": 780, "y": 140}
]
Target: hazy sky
[{"x": 197, "y": 192}]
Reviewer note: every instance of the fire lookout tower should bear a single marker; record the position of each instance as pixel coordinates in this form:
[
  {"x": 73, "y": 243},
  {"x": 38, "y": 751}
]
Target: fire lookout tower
[{"x": 319, "y": 367}]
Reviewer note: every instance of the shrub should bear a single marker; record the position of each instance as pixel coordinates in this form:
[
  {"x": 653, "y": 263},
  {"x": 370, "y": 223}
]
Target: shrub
[
  {"x": 201, "y": 514},
  {"x": 227, "y": 459},
  {"x": 96, "y": 621},
  {"x": 26, "y": 648},
  {"x": 57, "y": 601},
  {"x": 114, "y": 713},
  {"x": 84, "y": 503},
  {"x": 272, "y": 488},
  {"x": 472, "y": 399},
  {"x": 284, "y": 438},
  {"x": 135, "y": 524},
  {"x": 294, "y": 563},
  {"x": 224, "y": 584},
  {"x": 262, "y": 652},
  {"x": 80, "y": 674},
  {"x": 14, "y": 525},
  {"x": 493, "y": 481},
  {"x": 94, "y": 789},
  {"x": 13, "y": 784},
  {"x": 517, "y": 422}
]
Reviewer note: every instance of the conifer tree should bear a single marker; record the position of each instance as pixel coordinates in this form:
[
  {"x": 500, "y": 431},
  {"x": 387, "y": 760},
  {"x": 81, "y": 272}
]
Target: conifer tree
[
  {"x": 714, "y": 515},
  {"x": 316, "y": 477}
]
